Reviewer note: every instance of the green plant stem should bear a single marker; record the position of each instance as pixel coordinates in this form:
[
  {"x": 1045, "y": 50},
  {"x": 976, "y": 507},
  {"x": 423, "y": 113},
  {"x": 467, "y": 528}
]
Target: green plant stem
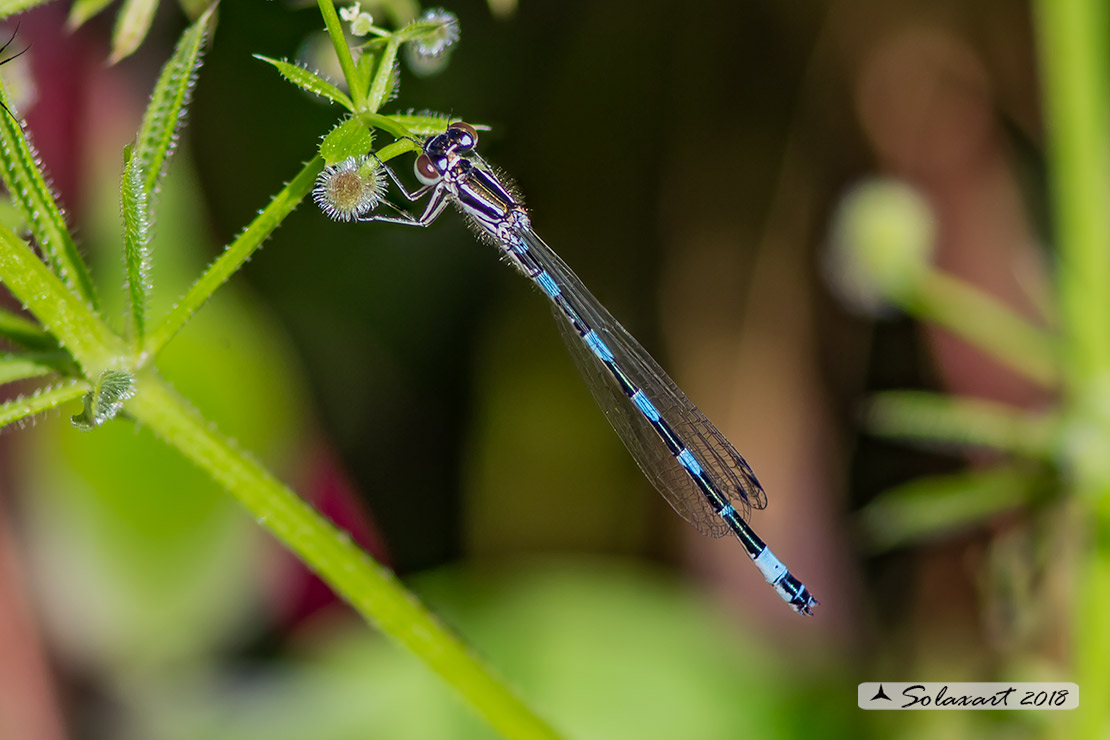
[
  {"x": 61, "y": 312},
  {"x": 987, "y": 324},
  {"x": 343, "y": 51},
  {"x": 1073, "y": 49},
  {"x": 369, "y": 587},
  {"x": 238, "y": 252},
  {"x": 52, "y": 360},
  {"x": 22, "y": 367}
]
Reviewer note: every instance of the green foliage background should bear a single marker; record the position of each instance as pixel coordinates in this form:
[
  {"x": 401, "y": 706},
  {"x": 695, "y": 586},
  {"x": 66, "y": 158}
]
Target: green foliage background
[{"x": 689, "y": 163}]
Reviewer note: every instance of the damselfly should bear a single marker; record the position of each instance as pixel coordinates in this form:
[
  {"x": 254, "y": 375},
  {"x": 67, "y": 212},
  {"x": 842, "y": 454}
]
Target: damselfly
[{"x": 680, "y": 451}]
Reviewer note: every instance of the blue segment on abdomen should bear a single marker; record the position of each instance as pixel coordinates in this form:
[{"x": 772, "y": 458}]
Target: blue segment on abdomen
[
  {"x": 597, "y": 346},
  {"x": 548, "y": 284},
  {"x": 645, "y": 405},
  {"x": 689, "y": 462}
]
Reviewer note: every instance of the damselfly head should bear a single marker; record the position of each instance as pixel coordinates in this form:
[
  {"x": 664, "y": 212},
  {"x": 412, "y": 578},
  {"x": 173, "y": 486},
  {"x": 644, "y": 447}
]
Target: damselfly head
[{"x": 459, "y": 138}]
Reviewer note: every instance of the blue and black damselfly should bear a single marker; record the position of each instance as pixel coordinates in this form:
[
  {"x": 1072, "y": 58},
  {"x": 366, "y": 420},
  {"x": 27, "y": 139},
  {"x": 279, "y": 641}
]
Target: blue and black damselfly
[{"x": 680, "y": 451}]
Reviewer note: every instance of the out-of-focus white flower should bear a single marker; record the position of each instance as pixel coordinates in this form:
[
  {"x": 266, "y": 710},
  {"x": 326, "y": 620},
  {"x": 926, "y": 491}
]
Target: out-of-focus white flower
[
  {"x": 881, "y": 242},
  {"x": 429, "y": 53}
]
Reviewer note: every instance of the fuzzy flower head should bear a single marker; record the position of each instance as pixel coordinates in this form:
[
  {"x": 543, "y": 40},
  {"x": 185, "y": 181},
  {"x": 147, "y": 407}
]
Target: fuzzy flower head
[
  {"x": 883, "y": 236},
  {"x": 350, "y": 189},
  {"x": 429, "y": 53}
]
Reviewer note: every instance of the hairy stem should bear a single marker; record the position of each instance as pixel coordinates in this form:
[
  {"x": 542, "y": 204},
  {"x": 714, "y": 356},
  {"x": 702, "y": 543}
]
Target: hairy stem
[{"x": 365, "y": 584}]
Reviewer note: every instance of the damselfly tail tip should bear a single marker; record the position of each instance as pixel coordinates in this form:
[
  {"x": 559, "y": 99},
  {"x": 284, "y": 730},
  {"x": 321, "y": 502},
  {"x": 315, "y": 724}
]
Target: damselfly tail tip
[
  {"x": 806, "y": 607},
  {"x": 796, "y": 594}
]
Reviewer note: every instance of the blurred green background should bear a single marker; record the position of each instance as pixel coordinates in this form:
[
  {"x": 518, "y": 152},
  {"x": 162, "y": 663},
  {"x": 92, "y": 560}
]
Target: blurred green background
[{"x": 686, "y": 160}]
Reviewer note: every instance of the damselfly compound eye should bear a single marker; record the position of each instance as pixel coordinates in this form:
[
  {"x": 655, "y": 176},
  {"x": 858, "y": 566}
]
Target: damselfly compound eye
[
  {"x": 429, "y": 53},
  {"x": 350, "y": 189},
  {"x": 463, "y": 135},
  {"x": 426, "y": 171}
]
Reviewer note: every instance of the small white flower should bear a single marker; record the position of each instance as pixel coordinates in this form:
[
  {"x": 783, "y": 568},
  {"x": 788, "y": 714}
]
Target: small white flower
[
  {"x": 350, "y": 189},
  {"x": 361, "y": 23},
  {"x": 350, "y": 12}
]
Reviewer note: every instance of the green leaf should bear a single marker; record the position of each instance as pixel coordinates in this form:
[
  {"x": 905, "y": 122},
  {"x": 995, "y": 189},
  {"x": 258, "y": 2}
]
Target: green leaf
[
  {"x": 132, "y": 25},
  {"x": 25, "y": 333},
  {"x": 11, "y": 7},
  {"x": 349, "y": 138},
  {"x": 310, "y": 81},
  {"x": 82, "y": 10},
  {"x": 383, "y": 87},
  {"x": 41, "y": 400},
  {"x": 11, "y": 217},
  {"x": 135, "y": 204},
  {"x": 195, "y": 8},
  {"x": 162, "y": 119},
  {"x": 988, "y": 323},
  {"x": 385, "y": 123},
  {"x": 418, "y": 30},
  {"x": 65, "y": 315},
  {"x": 930, "y": 508},
  {"x": 104, "y": 401},
  {"x": 934, "y": 417},
  {"x": 364, "y": 67},
  {"x": 147, "y": 160},
  {"x": 425, "y": 124},
  {"x": 55, "y": 361},
  {"x": 24, "y": 180},
  {"x": 21, "y": 367}
]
